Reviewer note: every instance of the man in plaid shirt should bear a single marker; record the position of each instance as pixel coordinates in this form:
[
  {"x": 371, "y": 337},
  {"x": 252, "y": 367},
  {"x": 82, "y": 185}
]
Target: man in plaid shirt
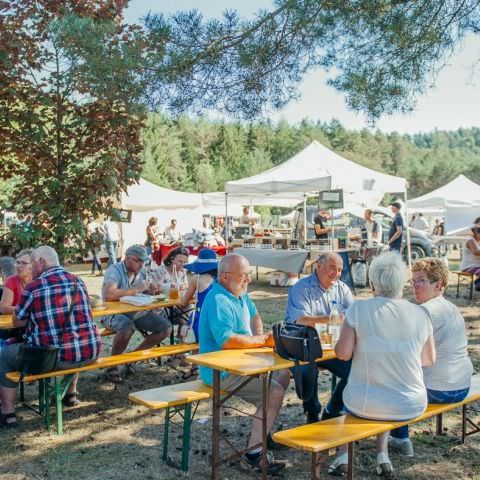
[{"x": 43, "y": 310}]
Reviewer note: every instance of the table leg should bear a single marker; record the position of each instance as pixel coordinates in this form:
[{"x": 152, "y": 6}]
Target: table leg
[
  {"x": 264, "y": 424},
  {"x": 216, "y": 424}
]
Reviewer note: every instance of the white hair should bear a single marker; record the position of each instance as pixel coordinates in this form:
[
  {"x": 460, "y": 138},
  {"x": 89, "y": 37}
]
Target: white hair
[
  {"x": 388, "y": 275},
  {"x": 48, "y": 254}
]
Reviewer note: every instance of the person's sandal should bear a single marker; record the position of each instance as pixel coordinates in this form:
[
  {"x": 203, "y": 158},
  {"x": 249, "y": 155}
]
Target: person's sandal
[
  {"x": 7, "y": 416},
  {"x": 339, "y": 467},
  {"x": 113, "y": 375},
  {"x": 70, "y": 400}
]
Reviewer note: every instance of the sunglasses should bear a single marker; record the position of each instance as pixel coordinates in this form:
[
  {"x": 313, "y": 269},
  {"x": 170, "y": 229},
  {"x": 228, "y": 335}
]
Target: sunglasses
[{"x": 476, "y": 230}]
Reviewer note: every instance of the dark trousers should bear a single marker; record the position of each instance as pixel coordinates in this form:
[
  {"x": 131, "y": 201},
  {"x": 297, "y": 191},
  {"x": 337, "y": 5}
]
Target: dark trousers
[{"x": 341, "y": 370}]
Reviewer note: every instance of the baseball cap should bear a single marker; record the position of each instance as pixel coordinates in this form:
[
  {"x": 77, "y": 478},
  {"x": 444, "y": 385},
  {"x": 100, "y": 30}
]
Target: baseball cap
[{"x": 137, "y": 251}]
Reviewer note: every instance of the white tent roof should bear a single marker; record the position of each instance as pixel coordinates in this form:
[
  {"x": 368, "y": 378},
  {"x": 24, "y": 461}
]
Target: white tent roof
[
  {"x": 147, "y": 196},
  {"x": 314, "y": 169},
  {"x": 461, "y": 191}
]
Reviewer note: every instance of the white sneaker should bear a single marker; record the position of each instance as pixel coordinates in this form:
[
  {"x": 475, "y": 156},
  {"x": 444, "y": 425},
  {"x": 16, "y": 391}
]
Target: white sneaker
[
  {"x": 339, "y": 467},
  {"x": 402, "y": 447},
  {"x": 384, "y": 466}
]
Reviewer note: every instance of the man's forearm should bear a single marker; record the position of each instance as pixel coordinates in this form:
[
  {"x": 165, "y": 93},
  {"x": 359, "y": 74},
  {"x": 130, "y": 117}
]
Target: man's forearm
[
  {"x": 245, "y": 341},
  {"x": 394, "y": 237},
  {"x": 312, "y": 320},
  {"x": 115, "y": 295}
]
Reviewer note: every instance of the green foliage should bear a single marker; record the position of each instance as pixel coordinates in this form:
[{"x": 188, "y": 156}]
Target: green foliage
[
  {"x": 70, "y": 118},
  {"x": 207, "y": 154},
  {"x": 381, "y": 53}
]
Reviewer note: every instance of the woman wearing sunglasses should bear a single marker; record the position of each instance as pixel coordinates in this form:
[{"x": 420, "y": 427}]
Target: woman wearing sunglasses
[
  {"x": 12, "y": 292},
  {"x": 471, "y": 254},
  {"x": 448, "y": 380}
]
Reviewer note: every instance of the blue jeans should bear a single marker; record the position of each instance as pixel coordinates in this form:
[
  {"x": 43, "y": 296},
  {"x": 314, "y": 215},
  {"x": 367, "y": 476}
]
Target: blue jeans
[
  {"x": 111, "y": 247},
  {"x": 341, "y": 370},
  {"x": 434, "y": 396},
  {"x": 96, "y": 261}
]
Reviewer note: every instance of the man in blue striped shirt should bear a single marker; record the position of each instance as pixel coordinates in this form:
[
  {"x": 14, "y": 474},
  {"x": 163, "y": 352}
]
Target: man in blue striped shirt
[{"x": 309, "y": 302}]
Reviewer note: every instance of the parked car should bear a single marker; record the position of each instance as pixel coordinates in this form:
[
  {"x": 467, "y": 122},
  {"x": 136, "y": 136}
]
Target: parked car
[{"x": 421, "y": 242}]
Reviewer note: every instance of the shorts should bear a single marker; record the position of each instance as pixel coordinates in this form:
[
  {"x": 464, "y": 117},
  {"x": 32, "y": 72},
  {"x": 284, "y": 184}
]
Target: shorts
[
  {"x": 153, "y": 322},
  {"x": 9, "y": 363},
  {"x": 251, "y": 392}
]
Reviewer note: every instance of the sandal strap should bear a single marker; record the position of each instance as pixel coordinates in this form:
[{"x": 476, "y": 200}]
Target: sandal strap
[{"x": 6, "y": 416}]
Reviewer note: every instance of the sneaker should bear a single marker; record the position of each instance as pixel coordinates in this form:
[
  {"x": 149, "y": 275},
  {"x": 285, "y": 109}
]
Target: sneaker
[
  {"x": 384, "y": 466},
  {"x": 339, "y": 467},
  {"x": 401, "y": 447},
  {"x": 274, "y": 467}
]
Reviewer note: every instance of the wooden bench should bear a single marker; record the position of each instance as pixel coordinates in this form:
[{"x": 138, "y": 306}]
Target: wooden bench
[
  {"x": 175, "y": 399},
  {"x": 470, "y": 277},
  {"x": 319, "y": 438},
  {"x": 63, "y": 378}
]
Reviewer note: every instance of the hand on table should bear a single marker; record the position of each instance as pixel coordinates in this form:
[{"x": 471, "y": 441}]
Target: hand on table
[{"x": 269, "y": 341}]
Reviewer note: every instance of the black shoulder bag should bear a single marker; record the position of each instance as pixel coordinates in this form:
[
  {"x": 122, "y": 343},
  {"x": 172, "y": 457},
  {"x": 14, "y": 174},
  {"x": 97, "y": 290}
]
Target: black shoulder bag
[
  {"x": 33, "y": 360},
  {"x": 299, "y": 343}
]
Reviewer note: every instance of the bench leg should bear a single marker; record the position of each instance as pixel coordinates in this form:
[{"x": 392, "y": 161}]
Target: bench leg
[
  {"x": 165, "y": 435},
  {"x": 58, "y": 405},
  {"x": 22, "y": 392},
  {"x": 46, "y": 402},
  {"x": 315, "y": 466},
  {"x": 187, "y": 421},
  {"x": 464, "y": 423},
  {"x": 439, "y": 424},
  {"x": 471, "y": 287},
  {"x": 458, "y": 286},
  {"x": 351, "y": 452}
]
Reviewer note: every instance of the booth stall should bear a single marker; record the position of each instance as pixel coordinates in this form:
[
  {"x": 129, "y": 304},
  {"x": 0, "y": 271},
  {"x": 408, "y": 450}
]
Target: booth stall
[
  {"x": 313, "y": 170},
  {"x": 458, "y": 202}
]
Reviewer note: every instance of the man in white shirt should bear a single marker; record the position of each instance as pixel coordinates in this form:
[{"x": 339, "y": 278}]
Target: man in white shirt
[
  {"x": 172, "y": 235},
  {"x": 111, "y": 233},
  {"x": 420, "y": 223}
]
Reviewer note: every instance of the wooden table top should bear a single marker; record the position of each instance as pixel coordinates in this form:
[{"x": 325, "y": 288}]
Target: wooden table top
[
  {"x": 109, "y": 308},
  {"x": 250, "y": 361}
]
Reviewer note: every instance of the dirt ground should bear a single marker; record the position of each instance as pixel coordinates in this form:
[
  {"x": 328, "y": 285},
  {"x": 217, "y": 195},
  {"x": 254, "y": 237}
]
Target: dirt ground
[{"x": 107, "y": 437}]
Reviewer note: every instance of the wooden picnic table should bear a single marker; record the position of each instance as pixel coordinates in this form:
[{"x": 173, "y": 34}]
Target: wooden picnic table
[
  {"x": 111, "y": 308},
  {"x": 259, "y": 362}
]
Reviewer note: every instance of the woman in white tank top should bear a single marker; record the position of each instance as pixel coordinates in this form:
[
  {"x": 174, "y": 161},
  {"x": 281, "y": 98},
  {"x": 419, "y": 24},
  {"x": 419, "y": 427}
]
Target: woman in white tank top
[
  {"x": 471, "y": 255},
  {"x": 388, "y": 340}
]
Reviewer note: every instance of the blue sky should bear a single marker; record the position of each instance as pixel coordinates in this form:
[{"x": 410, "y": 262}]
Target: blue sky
[{"x": 452, "y": 103}]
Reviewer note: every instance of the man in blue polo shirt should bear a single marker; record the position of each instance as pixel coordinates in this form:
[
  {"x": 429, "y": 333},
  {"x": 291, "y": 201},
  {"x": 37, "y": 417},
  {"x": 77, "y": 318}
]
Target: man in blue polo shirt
[
  {"x": 230, "y": 320},
  {"x": 395, "y": 234},
  {"x": 309, "y": 302}
]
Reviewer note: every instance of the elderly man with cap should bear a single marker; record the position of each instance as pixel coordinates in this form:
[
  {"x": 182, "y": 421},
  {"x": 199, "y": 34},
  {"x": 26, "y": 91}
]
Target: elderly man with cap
[
  {"x": 395, "y": 233},
  {"x": 129, "y": 277}
]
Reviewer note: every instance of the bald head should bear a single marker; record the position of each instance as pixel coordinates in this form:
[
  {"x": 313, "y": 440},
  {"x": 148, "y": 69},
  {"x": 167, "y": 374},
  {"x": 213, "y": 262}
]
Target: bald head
[{"x": 234, "y": 274}]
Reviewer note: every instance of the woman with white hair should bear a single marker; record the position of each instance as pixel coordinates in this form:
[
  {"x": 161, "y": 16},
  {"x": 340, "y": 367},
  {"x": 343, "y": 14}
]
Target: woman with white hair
[{"x": 388, "y": 340}]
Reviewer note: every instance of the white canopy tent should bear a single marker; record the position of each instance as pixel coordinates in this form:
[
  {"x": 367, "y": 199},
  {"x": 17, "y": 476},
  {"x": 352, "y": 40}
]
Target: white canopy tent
[
  {"x": 148, "y": 200},
  {"x": 316, "y": 168},
  {"x": 458, "y": 201}
]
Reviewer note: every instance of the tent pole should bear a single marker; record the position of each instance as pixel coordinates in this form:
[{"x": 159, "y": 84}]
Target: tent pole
[
  {"x": 409, "y": 248},
  {"x": 227, "y": 227},
  {"x": 304, "y": 217}
]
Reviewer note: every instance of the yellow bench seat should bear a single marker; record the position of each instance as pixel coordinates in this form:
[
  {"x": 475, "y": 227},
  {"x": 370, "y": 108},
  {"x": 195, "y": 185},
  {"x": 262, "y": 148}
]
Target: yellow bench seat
[{"x": 172, "y": 395}]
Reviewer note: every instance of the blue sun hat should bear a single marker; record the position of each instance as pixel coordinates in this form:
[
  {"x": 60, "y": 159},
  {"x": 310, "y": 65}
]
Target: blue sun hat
[{"x": 205, "y": 262}]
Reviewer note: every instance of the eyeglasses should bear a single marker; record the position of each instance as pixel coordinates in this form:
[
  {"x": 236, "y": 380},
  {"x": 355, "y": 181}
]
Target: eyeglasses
[
  {"x": 242, "y": 274},
  {"x": 137, "y": 260},
  {"x": 21, "y": 262},
  {"x": 476, "y": 230},
  {"x": 420, "y": 282}
]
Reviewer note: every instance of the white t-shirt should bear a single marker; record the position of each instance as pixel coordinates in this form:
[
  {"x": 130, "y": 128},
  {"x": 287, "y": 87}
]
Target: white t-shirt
[
  {"x": 453, "y": 368},
  {"x": 469, "y": 260},
  {"x": 112, "y": 233},
  {"x": 386, "y": 379}
]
